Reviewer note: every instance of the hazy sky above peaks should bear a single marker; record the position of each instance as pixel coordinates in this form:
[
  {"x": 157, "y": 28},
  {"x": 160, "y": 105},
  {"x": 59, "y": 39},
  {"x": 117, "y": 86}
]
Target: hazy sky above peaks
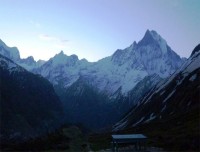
[{"x": 94, "y": 29}]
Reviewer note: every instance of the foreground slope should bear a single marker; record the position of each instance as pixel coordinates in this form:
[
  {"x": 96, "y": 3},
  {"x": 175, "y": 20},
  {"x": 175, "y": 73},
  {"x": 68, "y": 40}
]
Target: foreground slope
[
  {"x": 29, "y": 107},
  {"x": 170, "y": 112}
]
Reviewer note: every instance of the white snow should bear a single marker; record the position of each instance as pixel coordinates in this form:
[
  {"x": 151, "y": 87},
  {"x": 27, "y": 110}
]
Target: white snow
[
  {"x": 193, "y": 77},
  {"x": 163, "y": 108},
  {"x": 138, "y": 122},
  {"x": 162, "y": 42},
  {"x": 190, "y": 65},
  {"x": 121, "y": 71},
  {"x": 120, "y": 126},
  {"x": 169, "y": 95},
  {"x": 162, "y": 92},
  {"x": 151, "y": 117},
  {"x": 9, "y": 52},
  {"x": 12, "y": 67}
]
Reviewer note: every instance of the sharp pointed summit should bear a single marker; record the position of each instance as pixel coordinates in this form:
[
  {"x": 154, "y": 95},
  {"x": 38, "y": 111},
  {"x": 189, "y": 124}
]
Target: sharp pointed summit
[
  {"x": 151, "y": 38},
  {"x": 196, "y": 49},
  {"x": 61, "y": 52}
]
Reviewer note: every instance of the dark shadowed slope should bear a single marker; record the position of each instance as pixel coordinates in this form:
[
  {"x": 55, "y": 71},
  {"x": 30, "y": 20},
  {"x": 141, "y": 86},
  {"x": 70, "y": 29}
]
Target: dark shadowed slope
[{"x": 29, "y": 107}]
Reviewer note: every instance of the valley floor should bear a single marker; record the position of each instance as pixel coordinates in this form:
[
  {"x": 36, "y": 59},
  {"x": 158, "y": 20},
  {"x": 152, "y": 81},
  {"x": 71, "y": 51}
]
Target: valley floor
[{"x": 131, "y": 149}]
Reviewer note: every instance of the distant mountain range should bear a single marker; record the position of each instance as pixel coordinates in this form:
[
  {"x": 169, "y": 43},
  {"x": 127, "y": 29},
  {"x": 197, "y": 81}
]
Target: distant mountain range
[
  {"x": 111, "y": 85},
  {"x": 121, "y": 71}
]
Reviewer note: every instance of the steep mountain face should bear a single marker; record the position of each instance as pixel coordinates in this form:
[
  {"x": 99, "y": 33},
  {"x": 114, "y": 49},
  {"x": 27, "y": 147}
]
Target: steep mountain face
[
  {"x": 118, "y": 73},
  {"x": 171, "y": 109},
  {"x": 13, "y": 53},
  {"x": 121, "y": 71},
  {"x": 86, "y": 106},
  {"x": 111, "y": 79},
  {"x": 29, "y": 63},
  {"x": 116, "y": 79},
  {"x": 175, "y": 94},
  {"x": 29, "y": 106},
  {"x": 140, "y": 90},
  {"x": 63, "y": 70}
]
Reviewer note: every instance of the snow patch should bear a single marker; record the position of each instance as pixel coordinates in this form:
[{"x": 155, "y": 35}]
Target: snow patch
[
  {"x": 169, "y": 95},
  {"x": 150, "y": 118},
  {"x": 163, "y": 108},
  {"x": 121, "y": 126},
  {"x": 193, "y": 77},
  {"x": 138, "y": 122},
  {"x": 11, "y": 66},
  {"x": 162, "y": 92}
]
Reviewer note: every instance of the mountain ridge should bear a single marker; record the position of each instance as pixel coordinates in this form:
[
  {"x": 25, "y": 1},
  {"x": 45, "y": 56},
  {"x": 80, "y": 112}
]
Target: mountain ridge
[
  {"x": 165, "y": 92},
  {"x": 169, "y": 113},
  {"x": 130, "y": 64},
  {"x": 111, "y": 79}
]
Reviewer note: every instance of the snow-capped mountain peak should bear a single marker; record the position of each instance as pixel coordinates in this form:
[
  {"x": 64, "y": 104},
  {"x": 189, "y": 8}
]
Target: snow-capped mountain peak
[
  {"x": 62, "y": 59},
  {"x": 196, "y": 50},
  {"x": 40, "y": 62},
  {"x": 29, "y": 60},
  {"x": 152, "y": 38},
  {"x": 9, "y": 52},
  {"x": 13, "y": 53},
  {"x": 121, "y": 71},
  {"x": 167, "y": 94}
]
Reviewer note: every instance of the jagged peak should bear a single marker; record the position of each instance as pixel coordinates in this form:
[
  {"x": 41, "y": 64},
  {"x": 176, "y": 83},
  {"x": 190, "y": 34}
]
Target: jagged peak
[
  {"x": 30, "y": 58},
  {"x": 74, "y": 56},
  {"x": 196, "y": 49},
  {"x": 133, "y": 44},
  {"x": 41, "y": 62},
  {"x": 2, "y": 43},
  {"x": 62, "y": 54},
  {"x": 84, "y": 60},
  {"x": 151, "y": 37},
  {"x": 62, "y": 58},
  {"x": 151, "y": 33},
  {"x": 10, "y": 52},
  {"x": 147, "y": 39}
]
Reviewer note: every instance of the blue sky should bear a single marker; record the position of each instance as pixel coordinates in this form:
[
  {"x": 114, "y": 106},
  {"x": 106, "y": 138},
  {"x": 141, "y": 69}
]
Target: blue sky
[{"x": 94, "y": 29}]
